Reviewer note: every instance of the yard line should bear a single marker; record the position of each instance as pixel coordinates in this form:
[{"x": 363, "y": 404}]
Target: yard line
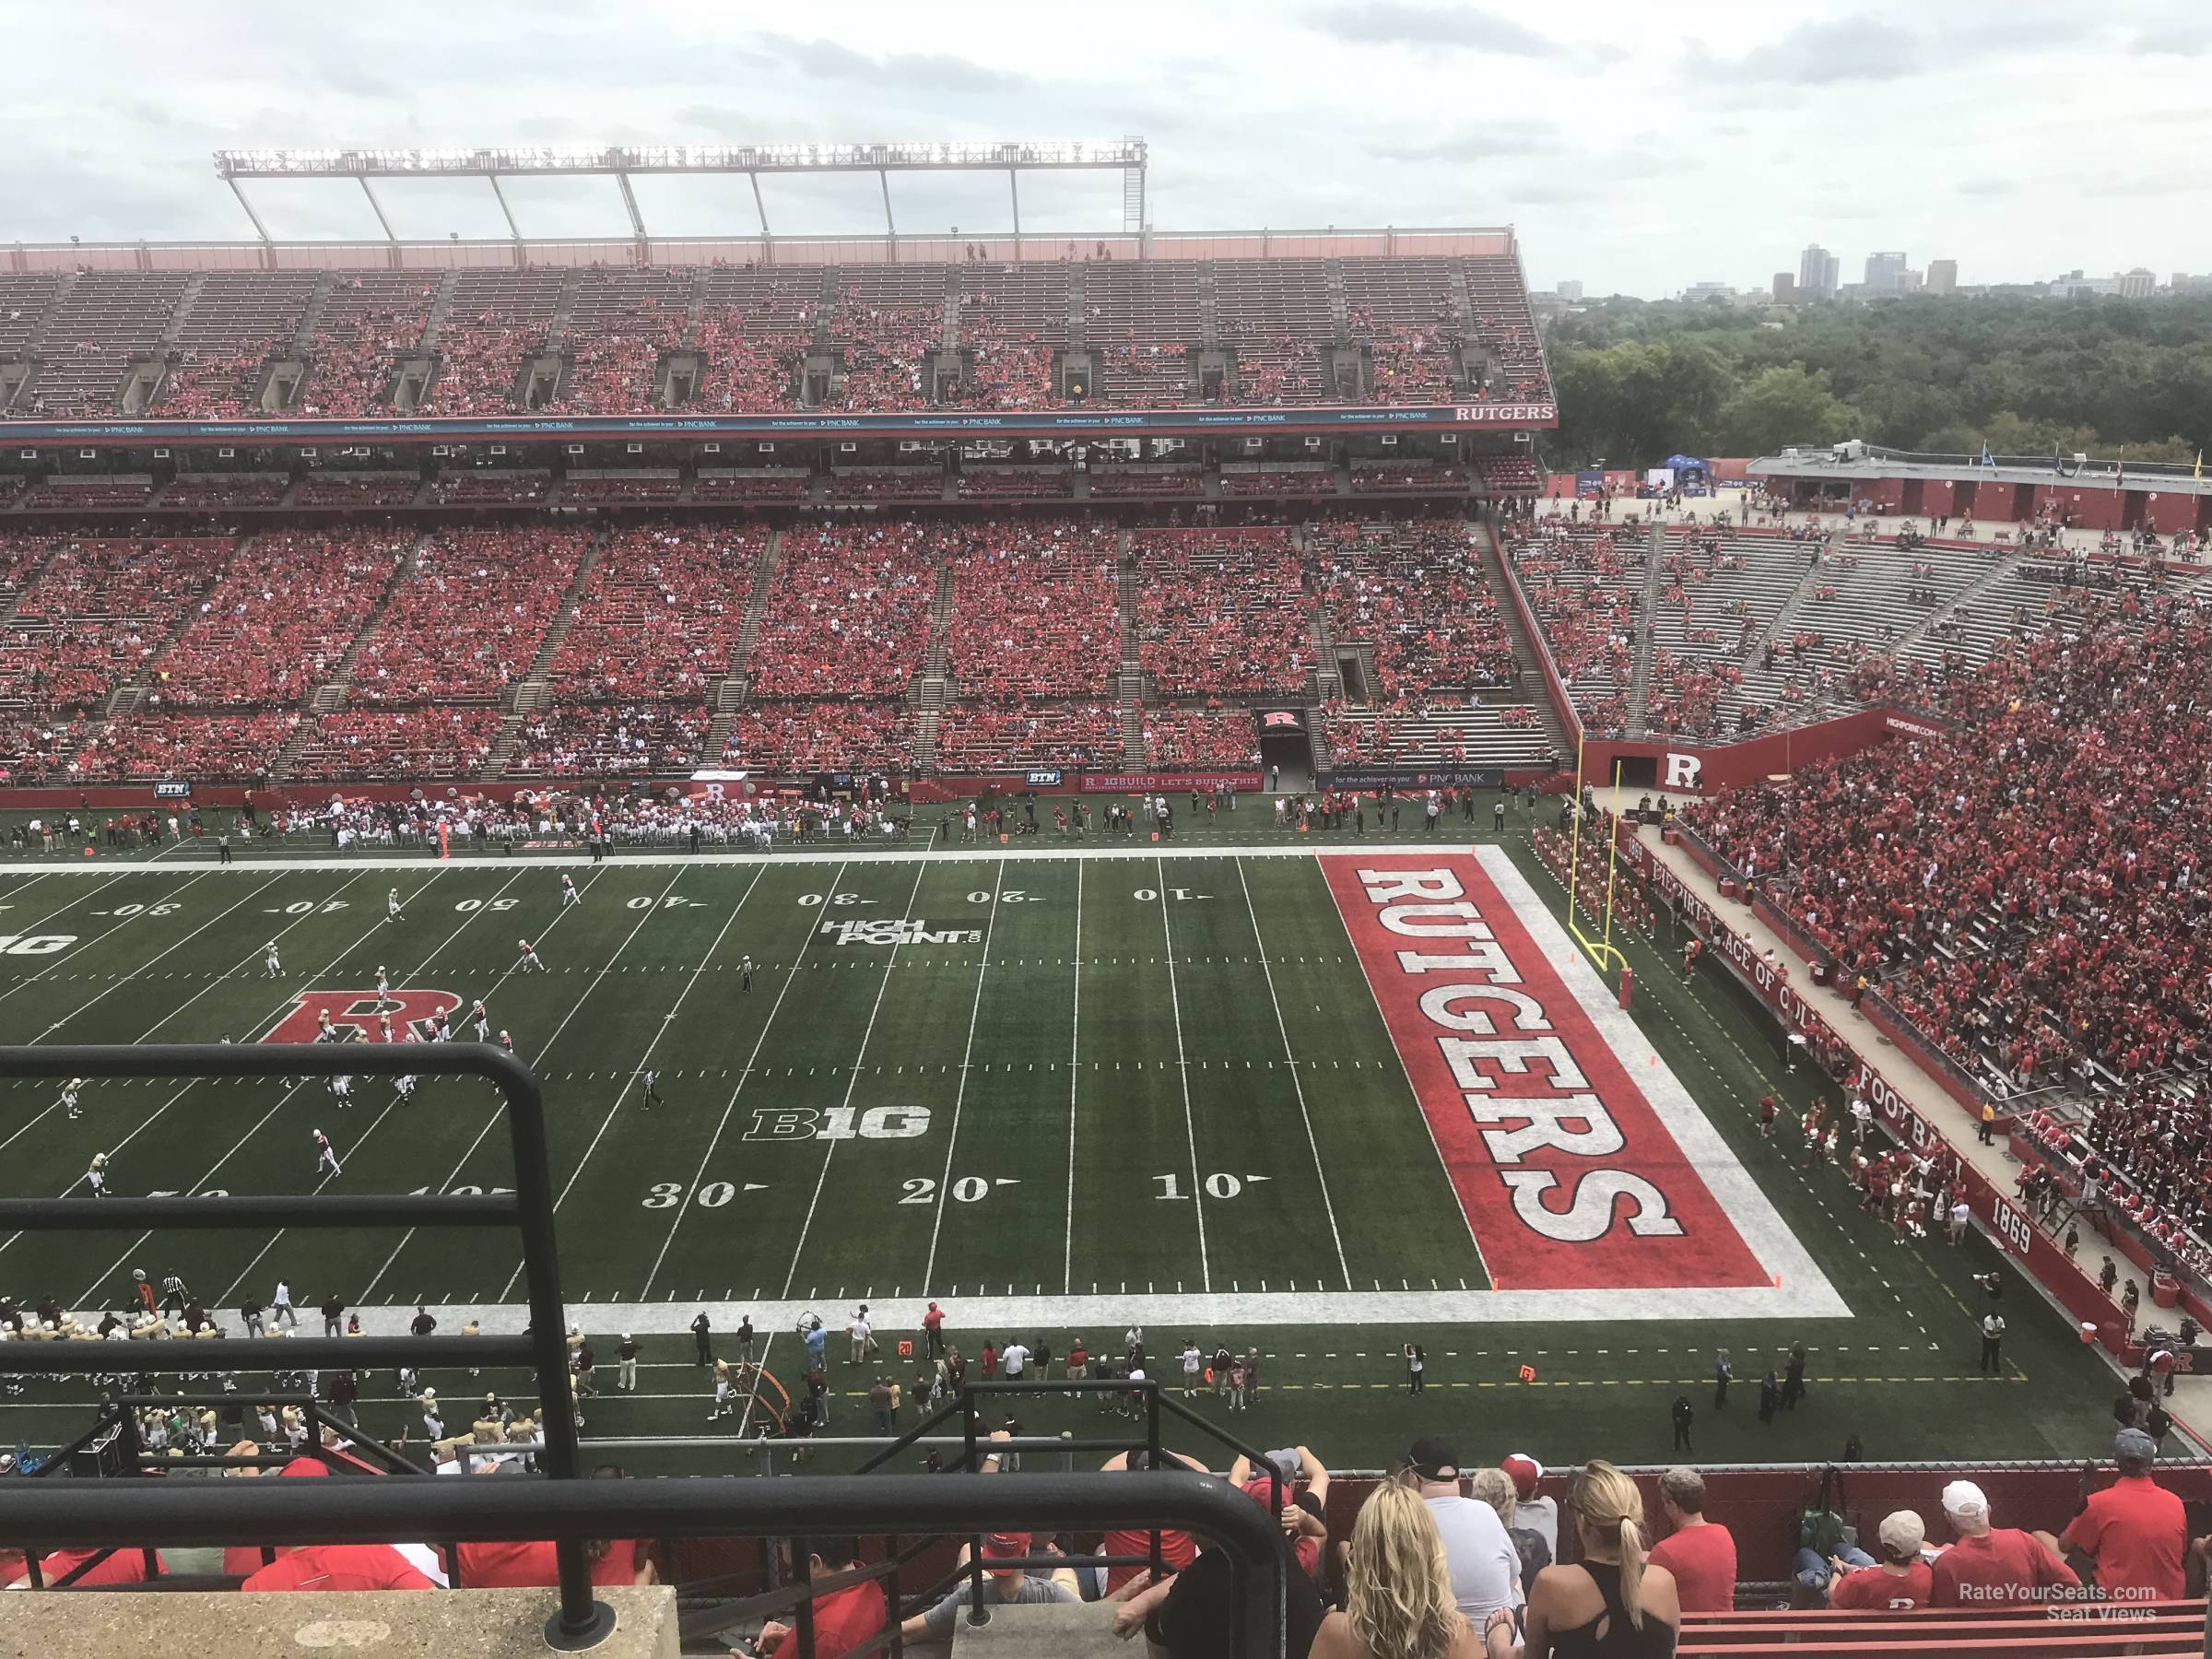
[
  {"x": 1182, "y": 1073},
  {"x": 81, "y": 897},
  {"x": 959, "y": 1095},
  {"x": 128, "y": 978},
  {"x": 745, "y": 1076},
  {"x": 889, "y": 963},
  {"x": 284, "y": 1008},
  {"x": 623, "y": 1093},
  {"x": 1312, "y": 1146},
  {"x": 498, "y": 1113},
  {"x": 1068, "y": 1254},
  {"x": 143, "y": 1036}
]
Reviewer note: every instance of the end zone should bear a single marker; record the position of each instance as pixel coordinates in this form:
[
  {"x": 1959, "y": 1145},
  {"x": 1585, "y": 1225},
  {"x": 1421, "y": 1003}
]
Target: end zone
[{"x": 1584, "y": 1168}]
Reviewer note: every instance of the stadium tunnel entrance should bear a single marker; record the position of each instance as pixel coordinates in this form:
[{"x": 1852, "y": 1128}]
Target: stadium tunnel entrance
[{"x": 1286, "y": 749}]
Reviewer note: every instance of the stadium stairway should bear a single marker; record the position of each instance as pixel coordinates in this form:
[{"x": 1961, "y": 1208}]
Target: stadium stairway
[
  {"x": 531, "y": 692},
  {"x": 129, "y": 691},
  {"x": 2002, "y": 572},
  {"x": 730, "y": 695},
  {"x": 330, "y": 696},
  {"x": 1083, "y": 1631},
  {"x": 1647, "y": 632},
  {"x": 7, "y": 610},
  {"x": 2191, "y": 1403}
]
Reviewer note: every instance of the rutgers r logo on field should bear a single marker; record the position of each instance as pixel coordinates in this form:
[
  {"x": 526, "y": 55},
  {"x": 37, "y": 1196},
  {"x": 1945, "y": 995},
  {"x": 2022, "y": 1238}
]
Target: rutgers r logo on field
[
  {"x": 1684, "y": 771},
  {"x": 357, "y": 1011}
]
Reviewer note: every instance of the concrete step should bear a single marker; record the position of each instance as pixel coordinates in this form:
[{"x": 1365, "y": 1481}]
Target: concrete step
[{"x": 1080, "y": 1632}]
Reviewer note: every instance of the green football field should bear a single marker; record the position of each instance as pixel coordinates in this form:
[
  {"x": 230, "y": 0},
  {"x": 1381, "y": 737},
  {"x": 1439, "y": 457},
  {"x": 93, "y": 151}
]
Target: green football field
[{"x": 1058, "y": 1089}]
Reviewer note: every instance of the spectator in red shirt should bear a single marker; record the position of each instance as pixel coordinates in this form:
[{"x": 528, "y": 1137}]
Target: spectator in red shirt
[
  {"x": 843, "y": 1619},
  {"x": 345, "y": 1566},
  {"x": 1700, "y": 1553},
  {"x": 1899, "y": 1580},
  {"x": 122, "y": 1567},
  {"x": 2133, "y": 1530},
  {"x": 1990, "y": 1566},
  {"x": 1177, "y": 1549}
]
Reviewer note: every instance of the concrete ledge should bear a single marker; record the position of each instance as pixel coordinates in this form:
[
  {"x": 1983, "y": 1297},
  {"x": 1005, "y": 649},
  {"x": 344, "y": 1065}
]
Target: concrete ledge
[{"x": 373, "y": 1624}]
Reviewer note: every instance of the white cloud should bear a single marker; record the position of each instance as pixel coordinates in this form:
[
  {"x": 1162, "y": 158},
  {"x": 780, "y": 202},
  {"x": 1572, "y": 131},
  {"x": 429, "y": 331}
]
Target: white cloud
[{"x": 1635, "y": 157}]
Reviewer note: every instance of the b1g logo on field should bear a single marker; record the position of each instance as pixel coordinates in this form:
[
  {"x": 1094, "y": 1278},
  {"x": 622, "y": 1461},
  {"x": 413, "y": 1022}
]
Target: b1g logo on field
[
  {"x": 357, "y": 1011},
  {"x": 838, "y": 1123},
  {"x": 34, "y": 944}
]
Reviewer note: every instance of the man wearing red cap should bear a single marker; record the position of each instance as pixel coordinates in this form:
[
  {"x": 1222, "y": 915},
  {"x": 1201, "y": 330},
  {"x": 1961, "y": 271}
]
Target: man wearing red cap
[
  {"x": 1002, "y": 1585},
  {"x": 1538, "y": 1514}
]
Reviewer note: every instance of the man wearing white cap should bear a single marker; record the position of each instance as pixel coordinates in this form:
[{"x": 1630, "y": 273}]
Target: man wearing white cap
[
  {"x": 1901, "y": 1580},
  {"x": 2133, "y": 1530},
  {"x": 1993, "y": 1567},
  {"x": 1538, "y": 1514}
]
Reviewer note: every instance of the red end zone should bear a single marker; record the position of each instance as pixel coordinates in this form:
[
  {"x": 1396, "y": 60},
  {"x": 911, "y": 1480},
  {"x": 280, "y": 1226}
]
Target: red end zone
[{"x": 1569, "y": 1177}]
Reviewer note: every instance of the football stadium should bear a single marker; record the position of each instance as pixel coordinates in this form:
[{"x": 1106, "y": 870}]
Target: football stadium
[{"x": 805, "y": 870}]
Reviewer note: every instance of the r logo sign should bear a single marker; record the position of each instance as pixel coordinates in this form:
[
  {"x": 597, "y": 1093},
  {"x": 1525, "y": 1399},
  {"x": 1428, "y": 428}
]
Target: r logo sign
[
  {"x": 357, "y": 1011},
  {"x": 1684, "y": 771}
]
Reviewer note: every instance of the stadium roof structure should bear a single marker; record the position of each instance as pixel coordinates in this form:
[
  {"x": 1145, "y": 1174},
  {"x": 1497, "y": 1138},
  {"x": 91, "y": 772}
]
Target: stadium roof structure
[
  {"x": 1867, "y": 463},
  {"x": 1127, "y": 156}
]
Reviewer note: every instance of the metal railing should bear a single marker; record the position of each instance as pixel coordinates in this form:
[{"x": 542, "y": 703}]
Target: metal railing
[{"x": 529, "y": 1209}]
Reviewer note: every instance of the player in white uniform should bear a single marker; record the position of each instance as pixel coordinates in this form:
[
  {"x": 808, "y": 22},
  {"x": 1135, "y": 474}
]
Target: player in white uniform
[
  {"x": 272, "y": 967},
  {"x": 392, "y": 906},
  {"x": 569, "y": 895},
  {"x": 384, "y": 982},
  {"x": 405, "y": 1083},
  {"x": 483, "y": 1019},
  {"x": 326, "y": 1157},
  {"x": 383, "y": 1025},
  {"x": 529, "y": 959},
  {"x": 341, "y": 1089},
  {"x": 650, "y": 1085},
  {"x": 96, "y": 1176},
  {"x": 69, "y": 1096}
]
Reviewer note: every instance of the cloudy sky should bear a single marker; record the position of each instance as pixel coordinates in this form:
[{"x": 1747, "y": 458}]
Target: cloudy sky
[{"x": 1634, "y": 147}]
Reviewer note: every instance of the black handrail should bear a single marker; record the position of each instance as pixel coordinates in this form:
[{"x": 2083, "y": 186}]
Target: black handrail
[
  {"x": 581, "y": 1621},
  {"x": 98, "y": 1513}
]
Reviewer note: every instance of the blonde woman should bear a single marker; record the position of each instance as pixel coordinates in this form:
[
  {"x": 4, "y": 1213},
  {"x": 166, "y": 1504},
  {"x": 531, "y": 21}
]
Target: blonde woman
[
  {"x": 1398, "y": 1600},
  {"x": 1495, "y": 1487},
  {"x": 1611, "y": 1605}
]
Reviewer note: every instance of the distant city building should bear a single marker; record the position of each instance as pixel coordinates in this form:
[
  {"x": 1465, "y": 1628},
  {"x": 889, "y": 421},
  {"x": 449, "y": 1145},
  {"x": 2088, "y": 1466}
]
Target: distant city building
[
  {"x": 1885, "y": 274},
  {"x": 2137, "y": 284},
  {"x": 1818, "y": 271},
  {"x": 2187, "y": 285},
  {"x": 1943, "y": 276},
  {"x": 1698, "y": 293},
  {"x": 1786, "y": 288},
  {"x": 1569, "y": 291}
]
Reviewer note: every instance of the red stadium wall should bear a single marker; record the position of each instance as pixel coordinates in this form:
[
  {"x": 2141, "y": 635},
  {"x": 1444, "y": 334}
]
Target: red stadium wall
[
  {"x": 2170, "y": 513},
  {"x": 1937, "y": 497},
  {"x": 1729, "y": 766},
  {"x": 1887, "y": 494}
]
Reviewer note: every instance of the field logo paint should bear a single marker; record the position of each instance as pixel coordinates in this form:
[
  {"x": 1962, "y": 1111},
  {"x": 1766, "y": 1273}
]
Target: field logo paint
[
  {"x": 887, "y": 931},
  {"x": 357, "y": 1011},
  {"x": 1566, "y": 1171}
]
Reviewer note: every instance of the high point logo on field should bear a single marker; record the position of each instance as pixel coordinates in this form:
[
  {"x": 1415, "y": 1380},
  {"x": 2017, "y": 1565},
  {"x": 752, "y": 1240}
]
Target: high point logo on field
[
  {"x": 886, "y": 930},
  {"x": 355, "y": 1013}
]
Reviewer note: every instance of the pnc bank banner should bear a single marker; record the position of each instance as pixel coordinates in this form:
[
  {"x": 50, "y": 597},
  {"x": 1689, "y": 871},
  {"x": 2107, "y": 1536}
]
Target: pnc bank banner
[{"x": 1577, "y": 1158}]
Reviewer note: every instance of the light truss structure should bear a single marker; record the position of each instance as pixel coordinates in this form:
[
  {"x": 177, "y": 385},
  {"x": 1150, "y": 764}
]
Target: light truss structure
[{"x": 1127, "y": 156}]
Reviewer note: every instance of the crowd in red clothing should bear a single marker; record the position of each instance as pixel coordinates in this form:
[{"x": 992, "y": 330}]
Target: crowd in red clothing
[
  {"x": 989, "y": 737},
  {"x": 1221, "y": 612},
  {"x": 1416, "y": 591},
  {"x": 747, "y": 364},
  {"x": 847, "y": 611},
  {"x": 1179, "y": 738},
  {"x": 466, "y": 621},
  {"x": 218, "y": 387},
  {"x": 616, "y": 373},
  {"x": 1409, "y": 365},
  {"x": 98, "y": 612},
  {"x": 239, "y": 744},
  {"x": 885, "y": 350},
  {"x": 2028, "y": 887},
  {"x": 1034, "y": 609},
  {"x": 480, "y": 359},
  {"x": 276, "y": 625},
  {"x": 660, "y": 613},
  {"x": 1583, "y": 587},
  {"x": 610, "y": 740},
  {"x": 399, "y": 743},
  {"x": 861, "y": 734}
]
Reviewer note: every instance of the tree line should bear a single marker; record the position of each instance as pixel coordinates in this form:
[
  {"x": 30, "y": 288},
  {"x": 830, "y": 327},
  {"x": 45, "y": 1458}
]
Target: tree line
[{"x": 1642, "y": 379}]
